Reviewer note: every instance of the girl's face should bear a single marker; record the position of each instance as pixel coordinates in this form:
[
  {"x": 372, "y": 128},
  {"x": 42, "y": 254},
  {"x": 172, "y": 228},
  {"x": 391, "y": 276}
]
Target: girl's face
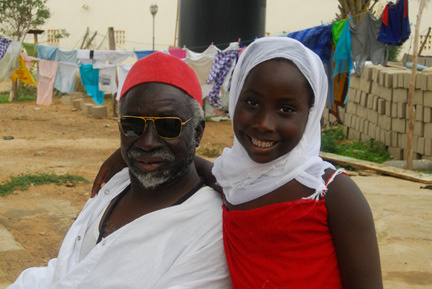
[{"x": 272, "y": 110}]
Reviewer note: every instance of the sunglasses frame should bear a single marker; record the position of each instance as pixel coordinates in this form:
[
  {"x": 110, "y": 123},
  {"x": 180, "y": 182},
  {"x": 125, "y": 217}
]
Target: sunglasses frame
[{"x": 145, "y": 118}]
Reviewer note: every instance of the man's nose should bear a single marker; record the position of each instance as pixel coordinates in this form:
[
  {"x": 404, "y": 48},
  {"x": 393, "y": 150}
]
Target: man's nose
[{"x": 149, "y": 140}]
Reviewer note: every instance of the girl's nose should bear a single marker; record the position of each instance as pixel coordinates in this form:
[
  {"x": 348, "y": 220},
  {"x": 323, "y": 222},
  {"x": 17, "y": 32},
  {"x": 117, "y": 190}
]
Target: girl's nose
[{"x": 264, "y": 122}]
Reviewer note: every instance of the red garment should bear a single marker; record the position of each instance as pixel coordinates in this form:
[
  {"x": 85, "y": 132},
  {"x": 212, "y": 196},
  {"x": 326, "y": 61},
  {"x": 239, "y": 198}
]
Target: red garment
[{"x": 286, "y": 245}]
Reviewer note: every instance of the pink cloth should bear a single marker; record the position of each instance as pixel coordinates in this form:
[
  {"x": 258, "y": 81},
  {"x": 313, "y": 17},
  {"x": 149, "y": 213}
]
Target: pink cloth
[
  {"x": 47, "y": 73},
  {"x": 180, "y": 53},
  {"x": 28, "y": 59}
]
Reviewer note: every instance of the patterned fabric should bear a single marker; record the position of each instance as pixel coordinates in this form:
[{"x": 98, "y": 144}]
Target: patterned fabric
[
  {"x": 318, "y": 39},
  {"x": 4, "y": 44},
  {"x": 222, "y": 64}
]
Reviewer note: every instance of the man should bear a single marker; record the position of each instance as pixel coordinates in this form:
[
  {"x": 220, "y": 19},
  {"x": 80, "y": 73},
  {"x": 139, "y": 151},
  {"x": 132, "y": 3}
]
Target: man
[{"x": 154, "y": 224}]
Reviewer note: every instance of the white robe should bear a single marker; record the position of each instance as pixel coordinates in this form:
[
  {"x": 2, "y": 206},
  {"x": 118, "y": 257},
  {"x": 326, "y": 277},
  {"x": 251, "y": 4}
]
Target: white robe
[{"x": 176, "y": 247}]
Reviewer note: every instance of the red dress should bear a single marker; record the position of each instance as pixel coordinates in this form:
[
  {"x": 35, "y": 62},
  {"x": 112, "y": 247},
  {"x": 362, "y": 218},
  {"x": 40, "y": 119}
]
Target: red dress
[{"x": 285, "y": 245}]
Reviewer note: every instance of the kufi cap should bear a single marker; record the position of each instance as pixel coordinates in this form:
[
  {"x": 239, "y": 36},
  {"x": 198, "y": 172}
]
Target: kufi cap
[{"x": 163, "y": 68}]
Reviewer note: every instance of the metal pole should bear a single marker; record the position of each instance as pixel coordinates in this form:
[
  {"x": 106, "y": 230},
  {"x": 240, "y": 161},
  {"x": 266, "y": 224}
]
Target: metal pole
[{"x": 153, "y": 31}]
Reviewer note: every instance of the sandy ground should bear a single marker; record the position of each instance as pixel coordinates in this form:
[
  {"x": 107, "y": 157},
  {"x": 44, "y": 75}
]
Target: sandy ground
[{"x": 58, "y": 139}]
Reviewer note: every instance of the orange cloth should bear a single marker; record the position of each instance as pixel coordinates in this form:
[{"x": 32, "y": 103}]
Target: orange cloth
[{"x": 23, "y": 73}]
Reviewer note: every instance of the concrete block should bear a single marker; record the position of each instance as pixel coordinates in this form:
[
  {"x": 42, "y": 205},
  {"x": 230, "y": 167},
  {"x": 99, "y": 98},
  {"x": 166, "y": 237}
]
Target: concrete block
[
  {"x": 367, "y": 72},
  {"x": 370, "y": 99},
  {"x": 354, "y": 81},
  {"x": 76, "y": 95},
  {"x": 66, "y": 99},
  {"x": 78, "y": 103},
  {"x": 345, "y": 130},
  {"x": 428, "y": 62},
  {"x": 361, "y": 125},
  {"x": 387, "y": 137},
  {"x": 372, "y": 130},
  {"x": 388, "y": 78},
  {"x": 395, "y": 80},
  {"x": 353, "y": 134},
  {"x": 377, "y": 134},
  {"x": 372, "y": 116},
  {"x": 394, "y": 139},
  {"x": 353, "y": 121},
  {"x": 388, "y": 108},
  {"x": 351, "y": 108},
  {"x": 400, "y": 95},
  {"x": 402, "y": 140},
  {"x": 375, "y": 102},
  {"x": 87, "y": 108},
  {"x": 364, "y": 137},
  {"x": 375, "y": 75},
  {"x": 376, "y": 88},
  {"x": 363, "y": 99},
  {"x": 429, "y": 80},
  {"x": 362, "y": 112},
  {"x": 365, "y": 127},
  {"x": 427, "y": 114},
  {"x": 387, "y": 93},
  {"x": 381, "y": 77},
  {"x": 396, "y": 153},
  {"x": 381, "y": 106},
  {"x": 99, "y": 111},
  {"x": 357, "y": 123},
  {"x": 399, "y": 125},
  {"x": 365, "y": 84},
  {"x": 418, "y": 97},
  {"x": 385, "y": 122},
  {"x": 420, "y": 145},
  {"x": 352, "y": 94},
  {"x": 428, "y": 147},
  {"x": 394, "y": 106},
  {"x": 419, "y": 112},
  {"x": 401, "y": 110},
  {"x": 427, "y": 98},
  {"x": 347, "y": 120},
  {"x": 428, "y": 130},
  {"x": 407, "y": 80},
  {"x": 417, "y": 83},
  {"x": 422, "y": 79},
  {"x": 418, "y": 128}
]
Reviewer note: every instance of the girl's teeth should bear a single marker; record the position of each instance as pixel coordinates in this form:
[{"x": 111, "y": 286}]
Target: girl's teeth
[{"x": 262, "y": 144}]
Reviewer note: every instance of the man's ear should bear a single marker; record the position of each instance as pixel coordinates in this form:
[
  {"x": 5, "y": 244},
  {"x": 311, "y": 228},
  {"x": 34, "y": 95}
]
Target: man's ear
[{"x": 199, "y": 132}]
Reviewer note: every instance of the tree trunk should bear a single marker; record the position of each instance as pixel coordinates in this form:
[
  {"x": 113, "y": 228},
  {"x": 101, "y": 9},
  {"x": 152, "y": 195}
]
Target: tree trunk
[{"x": 13, "y": 95}]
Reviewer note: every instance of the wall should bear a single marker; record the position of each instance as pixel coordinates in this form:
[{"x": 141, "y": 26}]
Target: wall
[{"x": 377, "y": 109}]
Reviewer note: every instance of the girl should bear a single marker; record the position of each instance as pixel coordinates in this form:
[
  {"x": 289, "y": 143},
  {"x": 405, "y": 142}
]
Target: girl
[{"x": 289, "y": 219}]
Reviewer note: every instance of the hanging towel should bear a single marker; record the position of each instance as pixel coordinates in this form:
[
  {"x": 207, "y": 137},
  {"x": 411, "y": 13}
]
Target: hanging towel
[
  {"x": 47, "y": 73},
  {"x": 364, "y": 43},
  {"x": 4, "y": 44},
  {"x": 90, "y": 80},
  {"x": 222, "y": 64},
  {"x": 66, "y": 77},
  {"x": 201, "y": 63},
  {"x": 395, "y": 28},
  {"x": 122, "y": 73},
  {"x": 30, "y": 48},
  {"x": 46, "y": 52},
  {"x": 23, "y": 73},
  {"x": 180, "y": 53},
  {"x": 10, "y": 61},
  {"x": 318, "y": 39}
]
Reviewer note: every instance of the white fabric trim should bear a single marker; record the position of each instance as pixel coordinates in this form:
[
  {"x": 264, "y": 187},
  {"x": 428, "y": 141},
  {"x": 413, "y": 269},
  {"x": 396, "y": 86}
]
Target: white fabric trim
[{"x": 244, "y": 180}]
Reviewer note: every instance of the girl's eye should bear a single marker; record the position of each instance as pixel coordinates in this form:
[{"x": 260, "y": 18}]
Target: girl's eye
[
  {"x": 286, "y": 108},
  {"x": 252, "y": 102}
]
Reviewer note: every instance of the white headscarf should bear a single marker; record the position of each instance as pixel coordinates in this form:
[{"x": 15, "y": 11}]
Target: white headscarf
[{"x": 241, "y": 178}]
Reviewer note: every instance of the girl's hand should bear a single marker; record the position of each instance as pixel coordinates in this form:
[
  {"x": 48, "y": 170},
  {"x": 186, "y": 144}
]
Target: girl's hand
[{"x": 109, "y": 168}]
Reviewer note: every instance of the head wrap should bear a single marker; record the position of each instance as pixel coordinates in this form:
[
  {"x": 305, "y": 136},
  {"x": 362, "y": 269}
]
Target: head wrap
[
  {"x": 243, "y": 179},
  {"x": 163, "y": 68}
]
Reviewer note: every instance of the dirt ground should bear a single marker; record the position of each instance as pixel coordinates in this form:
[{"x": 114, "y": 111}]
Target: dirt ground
[{"x": 59, "y": 139}]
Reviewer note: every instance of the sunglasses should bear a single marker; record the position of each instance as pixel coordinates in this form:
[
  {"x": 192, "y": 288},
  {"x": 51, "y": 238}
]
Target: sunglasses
[{"x": 165, "y": 127}]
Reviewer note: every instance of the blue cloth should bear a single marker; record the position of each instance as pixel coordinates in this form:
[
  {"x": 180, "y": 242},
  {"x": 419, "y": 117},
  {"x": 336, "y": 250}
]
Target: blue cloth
[
  {"x": 143, "y": 53},
  {"x": 90, "y": 80},
  {"x": 222, "y": 64},
  {"x": 397, "y": 30},
  {"x": 69, "y": 56},
  {"x": 318, "y": 39},
  {"x": 46, "y": 52},
  {"x": 342, "y": 56},
  {"x": 4, "y": 44}
]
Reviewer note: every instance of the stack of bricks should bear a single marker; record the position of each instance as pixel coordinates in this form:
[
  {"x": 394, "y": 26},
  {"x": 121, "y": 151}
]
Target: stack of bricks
[{"x": 377, "y": 109}]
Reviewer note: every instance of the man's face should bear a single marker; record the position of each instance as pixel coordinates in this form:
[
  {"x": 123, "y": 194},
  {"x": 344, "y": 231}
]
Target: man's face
[{"x": 153, "y": 160}]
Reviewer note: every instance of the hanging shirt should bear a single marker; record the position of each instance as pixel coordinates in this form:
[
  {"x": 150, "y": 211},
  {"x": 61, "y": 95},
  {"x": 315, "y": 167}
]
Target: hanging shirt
[
  {"x": 66, "y": 77},
  {"x": 318, "y": 39},
  {"x": 10, "y": 61},
  {"x": 45, "y": 85},
  {"x": 202, "y": 63},
  {"x": 86, "y": 56},
  {"x": 46, "y": 52},
  {"x": 23, "y": 73},
  {"x": 222, "y": 64},
  {"x": 4, "y": 44},
  {"x": 364, "y": 43},
  {"x": 107, "y": 77},
  {"x": 177, "y": 247},
  {"x": 116, "y": 57},
  {"x": 122, "y": 73},
  {"x": 90, "y": 80},
  {"x": 30, "y": 48},
  {"x": 395, "y": 28}
]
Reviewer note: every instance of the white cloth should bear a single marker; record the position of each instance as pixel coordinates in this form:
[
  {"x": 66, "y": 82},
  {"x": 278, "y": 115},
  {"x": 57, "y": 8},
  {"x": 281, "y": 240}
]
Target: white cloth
[
  {"x": 177, "y": 247},
  {"x": 107, "y": 77},
  {"x": 241, "y": 178},
  {"x": 10, "y": 61},
  {"x": 123, "y": 70}
]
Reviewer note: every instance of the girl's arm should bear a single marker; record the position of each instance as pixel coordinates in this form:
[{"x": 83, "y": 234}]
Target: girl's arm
[
  {"x": 204, "y": 168},
  {"x": 353, "y": 231}
]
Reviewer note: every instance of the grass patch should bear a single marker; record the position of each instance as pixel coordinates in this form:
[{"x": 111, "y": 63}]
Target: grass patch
[
  {"x": 26, "y": 93},
  {"x": 212, "y": 151},
  {"x": 334, "y": 141},
  {"x": 25, "y": 181}
]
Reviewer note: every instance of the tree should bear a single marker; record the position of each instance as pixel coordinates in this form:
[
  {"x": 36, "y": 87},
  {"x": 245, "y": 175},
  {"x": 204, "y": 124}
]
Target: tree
[
  {"x": 355, "y": 8},
  {"x": 17, "y": 18}
]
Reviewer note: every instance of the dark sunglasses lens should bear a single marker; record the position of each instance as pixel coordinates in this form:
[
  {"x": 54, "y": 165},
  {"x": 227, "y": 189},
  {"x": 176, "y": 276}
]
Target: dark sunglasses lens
[
  {"x": 132, "y": 126},
  {"x": 168, "y": 127}
]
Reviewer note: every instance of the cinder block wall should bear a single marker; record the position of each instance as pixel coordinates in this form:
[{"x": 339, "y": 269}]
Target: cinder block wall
[{"x": 377, "y": 109}]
